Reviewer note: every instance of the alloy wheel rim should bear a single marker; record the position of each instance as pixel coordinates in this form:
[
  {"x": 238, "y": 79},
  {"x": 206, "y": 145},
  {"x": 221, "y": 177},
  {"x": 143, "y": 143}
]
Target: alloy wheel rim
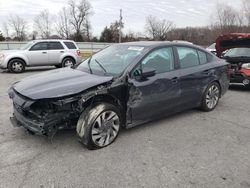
[
  {"x": 105, "y": 128},
  {"x": 68, "y": 63},
  {"x": 17, "y": 66},
  {"x": 212, "y": 96}
]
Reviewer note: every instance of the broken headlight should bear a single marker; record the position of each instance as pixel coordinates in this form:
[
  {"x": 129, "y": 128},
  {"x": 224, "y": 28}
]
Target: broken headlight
[{"x": 43, "y": 107}]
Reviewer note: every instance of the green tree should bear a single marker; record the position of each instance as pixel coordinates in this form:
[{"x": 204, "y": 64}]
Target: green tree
[
  {"x": 106, "y": 35},
  {"x": 111, "y": 33}
]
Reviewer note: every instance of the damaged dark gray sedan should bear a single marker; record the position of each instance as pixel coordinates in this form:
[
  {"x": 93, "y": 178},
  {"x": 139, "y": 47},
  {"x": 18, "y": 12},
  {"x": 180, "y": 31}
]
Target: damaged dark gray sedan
[{"x": 121, "y": 86}]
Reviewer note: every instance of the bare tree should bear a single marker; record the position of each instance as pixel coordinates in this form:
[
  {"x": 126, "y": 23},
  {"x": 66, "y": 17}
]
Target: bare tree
[
  {"x": 246, "y": 9},
  {"x": 87, "y": 29},
  {"x": 42, "y": 23},
  {"x": 79, "y": 12},
  {"x": 6, "y": 29},
  {"x": 63, "y": 25},
  {"x": 19, "y": 26},
  {"x": 227, "y": 19},
  {"x": 158, "y": 29}
]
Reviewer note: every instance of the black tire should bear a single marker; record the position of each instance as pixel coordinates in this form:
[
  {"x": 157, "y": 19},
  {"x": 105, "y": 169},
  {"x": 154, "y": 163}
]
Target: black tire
[
  {"x": 16, "y": 66},
  {"x": 88, "y": 122},
  {"x": 209, "y": 95},
  {"x": 68, "y": 62}
]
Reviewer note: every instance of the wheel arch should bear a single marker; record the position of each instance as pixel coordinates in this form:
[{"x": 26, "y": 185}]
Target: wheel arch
[
  {"x": 213, "y": 81},
  {"x": 67, "y": 56},
  {"x": 19, "y": 58},
  {"x": 106, "y": 98},
  {"x": 218, "y": 82}
]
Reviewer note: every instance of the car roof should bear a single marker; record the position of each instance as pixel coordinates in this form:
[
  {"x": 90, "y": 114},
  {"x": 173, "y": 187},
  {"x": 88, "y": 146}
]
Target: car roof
[
  {"x": 154, "y": 44},
  {"x": 57, "y": 40}
]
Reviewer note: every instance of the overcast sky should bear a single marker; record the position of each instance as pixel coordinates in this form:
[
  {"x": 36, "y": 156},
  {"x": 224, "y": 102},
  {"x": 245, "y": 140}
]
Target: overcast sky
[{"x": 182, "y": 12}]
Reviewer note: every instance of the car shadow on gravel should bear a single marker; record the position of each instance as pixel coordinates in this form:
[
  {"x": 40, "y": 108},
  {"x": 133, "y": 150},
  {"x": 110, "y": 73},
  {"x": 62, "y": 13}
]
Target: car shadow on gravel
[
  {"x": 239, "y": 88},
  {"x": 164, "y": 119},
  {"x": 68, "y": 138}
]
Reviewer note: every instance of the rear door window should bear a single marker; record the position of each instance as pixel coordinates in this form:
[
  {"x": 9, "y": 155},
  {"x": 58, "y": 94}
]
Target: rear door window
[
  {"x": 55, "y": 46},
  {"x": 202, "y": 57},
  {"x": 70, "y": 45},
  {"x": 188, "y": 57}
]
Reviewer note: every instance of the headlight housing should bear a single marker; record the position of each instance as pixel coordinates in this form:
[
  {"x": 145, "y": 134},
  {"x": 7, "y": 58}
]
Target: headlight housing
[{"x": 246, "y": 66}]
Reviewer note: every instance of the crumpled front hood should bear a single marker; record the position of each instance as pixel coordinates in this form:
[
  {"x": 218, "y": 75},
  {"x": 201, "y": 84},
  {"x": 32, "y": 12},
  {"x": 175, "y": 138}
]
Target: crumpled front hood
[
  {"x": 58, "y": 83},
  {"x": 233, "y": 40},
  {"x": 237, "y": 60}
]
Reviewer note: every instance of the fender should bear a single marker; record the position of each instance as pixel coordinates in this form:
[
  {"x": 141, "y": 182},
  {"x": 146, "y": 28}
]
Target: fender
[
  {"x": 67, "y": 54},
  {"x": 18, "y": 56}
]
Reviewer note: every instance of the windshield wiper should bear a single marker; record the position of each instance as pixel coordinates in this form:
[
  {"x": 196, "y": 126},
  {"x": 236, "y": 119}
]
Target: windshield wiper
[
  {"x": 90, "y": 70},
  {"x": 101, "y": 65},
  {"x": 238, "y": 56}
]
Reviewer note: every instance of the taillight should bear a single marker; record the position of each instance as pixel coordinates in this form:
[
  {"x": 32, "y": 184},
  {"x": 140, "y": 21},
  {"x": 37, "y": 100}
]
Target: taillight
[{"x": 78, "y": 52}]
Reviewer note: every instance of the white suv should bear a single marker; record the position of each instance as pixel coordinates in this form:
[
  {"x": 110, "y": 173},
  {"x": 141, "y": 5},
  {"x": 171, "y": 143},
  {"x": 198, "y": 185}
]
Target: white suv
[{"x": 60, "y": 53}]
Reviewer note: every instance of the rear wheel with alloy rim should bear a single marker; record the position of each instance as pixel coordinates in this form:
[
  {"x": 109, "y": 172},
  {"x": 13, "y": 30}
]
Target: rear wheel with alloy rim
[
  {"x": 16, "y": 66},
  {"x": 68, "y": 62},
  {"x": 211, "y": 97},
  {"x": 99, "y": 126}
]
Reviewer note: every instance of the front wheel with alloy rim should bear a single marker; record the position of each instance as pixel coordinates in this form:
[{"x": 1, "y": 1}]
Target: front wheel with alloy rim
[
  {"x": 68, "y": 62},
  {"x": 16, "y": 66},
  {"x": 211, "y": 97},
  {"x": 99, "y": 126}
]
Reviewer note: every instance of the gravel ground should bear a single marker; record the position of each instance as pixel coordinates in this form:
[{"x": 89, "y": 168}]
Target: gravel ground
[{"x": 190, "y": 149}]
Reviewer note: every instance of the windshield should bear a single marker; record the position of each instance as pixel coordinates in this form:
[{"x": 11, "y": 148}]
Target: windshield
[
  {"x": 238, "y": 52},
  {"x": 112, "y": 60},
  {"x": 212, "y": 46},
  {"x": 27, "y": 45}
]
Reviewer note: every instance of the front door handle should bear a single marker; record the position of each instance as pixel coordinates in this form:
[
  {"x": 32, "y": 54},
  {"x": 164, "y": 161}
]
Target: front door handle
[{"x": 44, "y": 52}]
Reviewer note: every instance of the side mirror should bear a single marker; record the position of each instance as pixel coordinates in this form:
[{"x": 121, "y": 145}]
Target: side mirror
[{"x": 148, "y": 72}]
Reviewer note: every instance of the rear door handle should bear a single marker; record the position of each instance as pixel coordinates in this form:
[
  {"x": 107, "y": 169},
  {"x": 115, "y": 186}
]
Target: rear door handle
[
  {"x": 61, "y": 51},
  {"x": 207, "y": 72},
  {"x": 175, "y": 79}
]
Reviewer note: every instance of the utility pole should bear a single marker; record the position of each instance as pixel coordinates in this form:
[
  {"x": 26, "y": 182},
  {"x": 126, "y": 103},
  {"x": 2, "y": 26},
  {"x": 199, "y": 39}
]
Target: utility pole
[{"x": 120, "y": 27}]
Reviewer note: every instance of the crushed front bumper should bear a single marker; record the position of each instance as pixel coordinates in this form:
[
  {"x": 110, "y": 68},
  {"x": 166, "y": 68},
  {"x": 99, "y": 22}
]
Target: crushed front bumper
[
  {"x": 46, "y": 127},
  {"x": 18, "y": 119},
  {"x": 239, "y": 78}
]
